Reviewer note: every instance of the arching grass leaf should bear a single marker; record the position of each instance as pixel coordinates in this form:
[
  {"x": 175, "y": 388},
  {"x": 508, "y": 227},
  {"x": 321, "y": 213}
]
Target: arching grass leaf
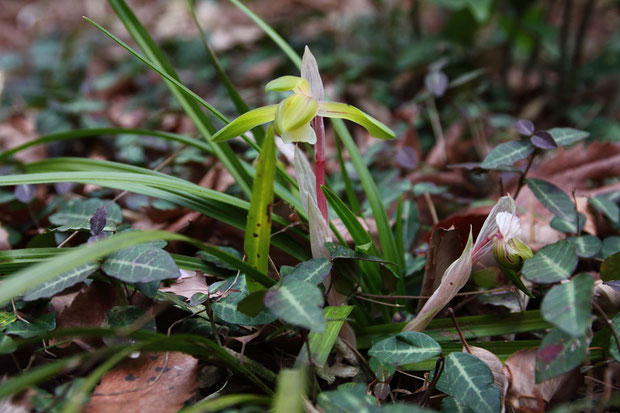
[
  {"x": 607, "y": 207},
  {"x": 404, "y": 348},
  {"x": 61, "y": 282},
  {"x": 567, "y": 136},
  {"x": 141, "y": 264},
  {"x": 290, "y": 391},
  {"x": 225, "y": 307},
  {"x": 75, "y": 214},
  {"x": 559, "y": 353},
  {"x": 553, "y": 198},
  {"x": 507, "y": 153},
  {"x": 568, "y": 306},
  {"x": 470, "y": 381},
  {"x": 321, "y": 344},
  {"x": 297, "y": 303},
  {"x": 586, "y": 245},
  {"x": 312, "y": 272},
  {"x": 553, "y": 263}
]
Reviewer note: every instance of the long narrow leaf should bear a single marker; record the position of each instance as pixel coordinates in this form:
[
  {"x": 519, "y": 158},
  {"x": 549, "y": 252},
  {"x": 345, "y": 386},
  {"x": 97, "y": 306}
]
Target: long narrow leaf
[{"x": 258, "y": 228}]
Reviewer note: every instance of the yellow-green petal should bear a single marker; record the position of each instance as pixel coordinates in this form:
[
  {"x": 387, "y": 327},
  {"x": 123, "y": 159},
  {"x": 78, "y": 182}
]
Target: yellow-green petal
[
  {"x": 348, "y": 112},
  {"x": 245, "y": 122},
  {"x": 286, "y": 83},
  {"x": 295, "y": 112},
  {"x": 303, "y": 134}
]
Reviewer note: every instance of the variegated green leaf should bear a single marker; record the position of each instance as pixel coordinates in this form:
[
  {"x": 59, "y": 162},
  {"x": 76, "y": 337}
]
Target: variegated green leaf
[
  {"x": 586, "y": 245},
  {"x": 553, "y": 198},
  {"x": 559, "y": 353},
  {"x": 75, "y": 214},
  {"x": 568, "y": 306},
  {"x": 65, "y": 280},
  {"x": 567, "y": 136},
  {"x": 298, "y": 303},
  {"x": 312, "y": 271},
  {"x": 141, "y": 263},
  {"x": 553, "y": 263},
  {"x": 606, "y": 206},
  {"x": 404, "y": 348},
  {"x": 507, "y": 153}
]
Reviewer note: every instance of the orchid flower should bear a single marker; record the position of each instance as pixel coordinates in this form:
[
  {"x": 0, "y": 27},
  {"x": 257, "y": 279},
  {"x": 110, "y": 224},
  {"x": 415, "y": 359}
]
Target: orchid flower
[
  {"x": 499, "y": 233},
  {"x": 292, "y": 115}
]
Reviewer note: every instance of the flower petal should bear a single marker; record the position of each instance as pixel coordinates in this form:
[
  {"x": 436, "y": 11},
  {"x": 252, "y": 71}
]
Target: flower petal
[
  {"x": 245, "y": 122},
  {"x": 294, "y": 112},
  {"x": 303, "y": 134},
  {"x": 287, "y": 83},
  {"x": 489, "y": 228},
  {"x": 310, "y": 72},
  {"x": 348, "y": 112}
]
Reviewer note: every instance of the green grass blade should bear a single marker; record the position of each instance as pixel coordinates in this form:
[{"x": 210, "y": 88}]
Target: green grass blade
[
  {"x": 355, "y": 206},
  {"x": 277, "y": 39},
  {"x": 290, "y": 391},
  {"x": 16, "y": 284},
  {"x": 386, "y": 238},
  {"x": 226, "y": 401},
  {"x": 258, "y": 228},
  {"x": 234, "y": 95},
  {"x": 109, "y": 132},
  {"x": 321, "y": 344},
  {"x": 189, "y": 104}
]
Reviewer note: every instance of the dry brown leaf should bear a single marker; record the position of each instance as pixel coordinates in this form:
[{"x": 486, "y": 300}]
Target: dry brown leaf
[
  {"x": 154, "y": 383},
  {"x": 524, "y": 394},
  {"x": 4, "y": 240},
  {"x": 186, "y": 287}
]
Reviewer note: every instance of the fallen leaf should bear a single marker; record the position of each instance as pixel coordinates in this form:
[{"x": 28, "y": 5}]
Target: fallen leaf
[
  {"x": 186, "y": 287},
  {"x": 494, "y": 364},
  {"x": 523, "y": 392},
  {"x": 154, "y": 382}
]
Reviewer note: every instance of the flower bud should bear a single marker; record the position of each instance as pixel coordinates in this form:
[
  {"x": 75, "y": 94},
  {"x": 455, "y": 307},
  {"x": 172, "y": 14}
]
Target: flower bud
[{"x": 511, "y": 253}]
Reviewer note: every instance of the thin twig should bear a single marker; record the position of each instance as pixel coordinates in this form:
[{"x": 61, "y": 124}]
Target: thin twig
[
  {"x": 431, "y": 207},
  {"x": 379, "y": 302},
  {"x": 458, "y": 330},
  {"x": 439, "y": 366},
  {"x": 524, "y": 174},
  {"x": 416, "y": 297}
]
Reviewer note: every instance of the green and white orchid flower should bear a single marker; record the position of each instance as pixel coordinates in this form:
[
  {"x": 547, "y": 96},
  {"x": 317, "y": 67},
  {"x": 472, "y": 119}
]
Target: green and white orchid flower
[{"x": 292, "y": 116}]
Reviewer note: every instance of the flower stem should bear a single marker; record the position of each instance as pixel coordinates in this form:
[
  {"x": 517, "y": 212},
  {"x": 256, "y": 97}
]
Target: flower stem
[{"x": 319, "y": 164}]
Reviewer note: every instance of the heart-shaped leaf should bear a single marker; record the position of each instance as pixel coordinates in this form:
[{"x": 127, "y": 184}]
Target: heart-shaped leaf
[
  {"x": 297, "y": 303},
  {"x": 507, "y": 153},
  {"x": 42, "y": 324},
  {"x": 451, "y": 405},
  {"x": 470, "y": 381},
  {"x": 59, "y": 283},
  {"x": 611, "y": 245},
  {"x": 568, "y": 306},
  {"x": 525, "y": 127},
  {"x": 568, "y": 227},
  {"x": 553, "y": 263},
  {"x": 404, "y": 348},
  {"x": 586, "y": 245},
  {"x": 607, "y": 207},
  {"x": 75, "y": 214},
  {"x": 312, "y": 271},
  {"x": 559, "y": 353},
  {"x": 543, "y": 140},
  {"x": 141, "y": 263},
  {"x": 553, "y": 198},
  {"x": 229, "y": 294},
  {"x": 567, "y": 136}
]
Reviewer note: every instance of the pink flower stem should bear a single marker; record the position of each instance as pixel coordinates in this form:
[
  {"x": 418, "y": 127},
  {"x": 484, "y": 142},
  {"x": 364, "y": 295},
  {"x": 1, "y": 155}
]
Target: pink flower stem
[{"x": 319, "y": 164}]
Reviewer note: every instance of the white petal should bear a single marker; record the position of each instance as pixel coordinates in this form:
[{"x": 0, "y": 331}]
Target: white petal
[
  {"x": 489, "y": 228},
  {"x": 508, "y": 224}
]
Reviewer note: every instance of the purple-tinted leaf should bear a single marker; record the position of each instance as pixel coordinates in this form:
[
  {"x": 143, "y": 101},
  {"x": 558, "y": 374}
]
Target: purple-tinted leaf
[
  {"x": 543, "y": 140},
  {"x": 525, "y": 127},
  {"x": 407, "y": 158},
  {"x": 436, "y": 82},
  {"x": 613, "y": 284},
  {"x": 98, "y": 221},
  {"x": 95, "y": 238},
  {"x": 63, "y": 187},
  {"x": 24, "y": 193}
]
